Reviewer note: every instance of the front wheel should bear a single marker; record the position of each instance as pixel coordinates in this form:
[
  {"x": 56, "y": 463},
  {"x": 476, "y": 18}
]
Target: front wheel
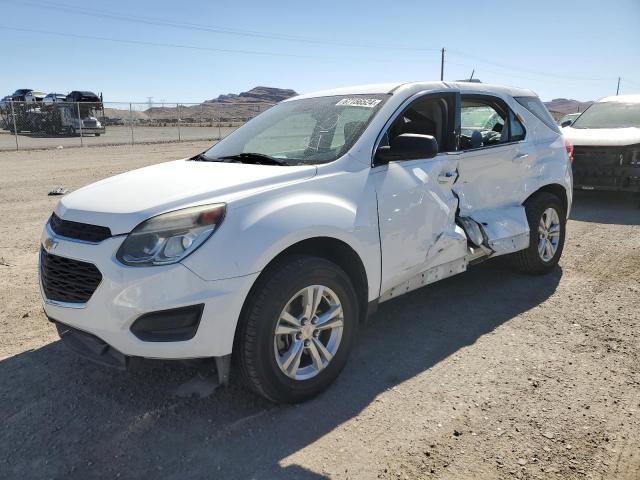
[
  {"x": 297, "y": 329},
  {"x": 547, "y": 229}
]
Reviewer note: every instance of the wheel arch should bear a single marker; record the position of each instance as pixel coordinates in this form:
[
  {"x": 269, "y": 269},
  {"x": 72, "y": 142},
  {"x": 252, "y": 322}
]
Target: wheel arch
[
  {"x": 333, "y": 250},
  {"x": 555, "y": 189}
]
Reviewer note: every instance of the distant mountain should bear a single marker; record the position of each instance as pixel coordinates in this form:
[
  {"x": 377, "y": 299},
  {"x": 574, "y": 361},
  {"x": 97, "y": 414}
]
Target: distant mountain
[
  {"x": 561, "y": 106},
  {"x": 229, "y": 107},
  {"x": 269, "y": 95}
]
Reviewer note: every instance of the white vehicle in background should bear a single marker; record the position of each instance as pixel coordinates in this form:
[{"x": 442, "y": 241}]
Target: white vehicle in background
[
  {"x": 606, "y": 141},
  {"x": 34, "y": 96},
  {"x": 54, "y": 98},
  {"x": 276, "y": 242},
  {"x": 78, "y": 119}
]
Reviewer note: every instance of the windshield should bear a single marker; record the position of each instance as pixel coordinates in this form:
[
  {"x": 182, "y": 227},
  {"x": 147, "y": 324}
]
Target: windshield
[
  {"x": 307, "y": 131},
  {"x": 609, "y": 115}
]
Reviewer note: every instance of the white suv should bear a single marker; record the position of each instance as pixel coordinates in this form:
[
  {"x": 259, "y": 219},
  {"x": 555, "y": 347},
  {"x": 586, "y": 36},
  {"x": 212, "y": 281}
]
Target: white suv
[
  {"x": 275, "y": 243},
  {"x": 606, "y": 141}
]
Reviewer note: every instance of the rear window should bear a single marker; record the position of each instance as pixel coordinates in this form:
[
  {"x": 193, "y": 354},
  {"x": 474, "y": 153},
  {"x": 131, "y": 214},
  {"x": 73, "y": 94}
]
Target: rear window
[{"x": 535, "y": 106}]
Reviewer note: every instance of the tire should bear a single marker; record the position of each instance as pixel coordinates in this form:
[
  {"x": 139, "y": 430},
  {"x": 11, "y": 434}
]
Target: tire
[
  {"x": 532, "y": 260},
  {"x": 260, "y": 354}
]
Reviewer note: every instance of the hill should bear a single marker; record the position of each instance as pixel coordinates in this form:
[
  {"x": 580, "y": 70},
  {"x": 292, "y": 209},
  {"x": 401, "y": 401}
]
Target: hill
[
  {"x": 231, "y": 106},
  {"x": 561, "y": 106}
]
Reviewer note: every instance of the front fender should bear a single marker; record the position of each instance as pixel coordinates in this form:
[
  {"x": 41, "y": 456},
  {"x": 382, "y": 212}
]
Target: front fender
[{"x": 252, "y": 235}]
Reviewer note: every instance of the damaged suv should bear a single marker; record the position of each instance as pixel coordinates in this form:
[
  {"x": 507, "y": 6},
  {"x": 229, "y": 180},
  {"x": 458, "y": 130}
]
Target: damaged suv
[
  {"x": 269, "y": 248},
  {"x": 606, "y": 141}
]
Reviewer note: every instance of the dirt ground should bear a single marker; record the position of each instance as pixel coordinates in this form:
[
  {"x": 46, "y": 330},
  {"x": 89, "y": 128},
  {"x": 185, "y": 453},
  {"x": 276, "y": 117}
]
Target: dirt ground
[
  {"x": 114, "y": 135},
  {"x": 490, "y": 374}
]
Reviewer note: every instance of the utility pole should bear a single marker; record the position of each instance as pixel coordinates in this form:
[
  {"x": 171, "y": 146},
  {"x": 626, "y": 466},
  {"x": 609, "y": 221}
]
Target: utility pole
[
  {"x": 618, "y": 89},
  {"x": 442, "y": 65}
]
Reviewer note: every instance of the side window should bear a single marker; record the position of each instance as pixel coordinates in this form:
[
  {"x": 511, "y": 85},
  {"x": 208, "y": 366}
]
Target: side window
[
  {"x": 535, "y": 106},
  {"x": 483, "y": 123},
  {"x": 486, "y": 121},
  {"x": 429, "y": 115},
  {"x": 516, "y": 129}
]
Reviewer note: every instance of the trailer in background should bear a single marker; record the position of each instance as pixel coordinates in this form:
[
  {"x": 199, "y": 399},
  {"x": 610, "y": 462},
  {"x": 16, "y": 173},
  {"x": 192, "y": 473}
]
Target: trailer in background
[{"x": 76, "y": 116}]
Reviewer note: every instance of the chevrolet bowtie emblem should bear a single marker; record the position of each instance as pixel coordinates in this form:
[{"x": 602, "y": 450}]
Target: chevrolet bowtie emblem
[{"x": 50, "y": 244}]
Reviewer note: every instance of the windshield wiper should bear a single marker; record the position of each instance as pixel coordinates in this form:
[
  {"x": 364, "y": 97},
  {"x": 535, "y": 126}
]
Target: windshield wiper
[
  {"x": 258, "y": 158},
  {"x": 201, "y": 157}
]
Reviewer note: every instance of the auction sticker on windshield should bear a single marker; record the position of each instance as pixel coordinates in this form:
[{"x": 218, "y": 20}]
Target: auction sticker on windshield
[{"x": 359, "y": 102}]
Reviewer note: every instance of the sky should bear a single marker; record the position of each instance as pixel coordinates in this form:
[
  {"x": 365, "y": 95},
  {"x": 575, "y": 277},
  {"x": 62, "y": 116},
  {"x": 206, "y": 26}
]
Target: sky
[{"x": 193, "y": 51}]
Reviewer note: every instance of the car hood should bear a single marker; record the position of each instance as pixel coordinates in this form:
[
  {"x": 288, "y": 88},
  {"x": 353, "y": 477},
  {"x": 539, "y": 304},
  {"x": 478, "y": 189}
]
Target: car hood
[
  {"x": 605, "y": 137},
  {"x": 123, "y": 201}
]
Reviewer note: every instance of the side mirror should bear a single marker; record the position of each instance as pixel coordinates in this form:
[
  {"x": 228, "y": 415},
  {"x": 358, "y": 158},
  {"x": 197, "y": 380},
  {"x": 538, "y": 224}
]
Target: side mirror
[
  {"x": 408, "y": 146},
  {"x": 566, "y": 123}
]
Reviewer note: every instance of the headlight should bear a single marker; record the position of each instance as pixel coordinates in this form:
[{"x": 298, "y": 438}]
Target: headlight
[{"x": 170, "y": 237}]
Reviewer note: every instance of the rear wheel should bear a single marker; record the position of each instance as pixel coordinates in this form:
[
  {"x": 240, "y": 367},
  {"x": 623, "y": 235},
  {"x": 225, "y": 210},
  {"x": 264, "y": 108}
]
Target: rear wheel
[
  {"x": 547, "y": 229},
  {"x": 297, "y": 329}
]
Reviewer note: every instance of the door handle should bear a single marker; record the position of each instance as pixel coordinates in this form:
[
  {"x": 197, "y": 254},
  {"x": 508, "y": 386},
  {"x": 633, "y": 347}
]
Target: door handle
[
  {"x": 520, "y": 157},
  {"x": 445, "y": 177}
]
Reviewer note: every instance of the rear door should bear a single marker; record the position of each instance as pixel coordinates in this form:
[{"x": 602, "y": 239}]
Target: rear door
[{"x": 493, "y": 166}]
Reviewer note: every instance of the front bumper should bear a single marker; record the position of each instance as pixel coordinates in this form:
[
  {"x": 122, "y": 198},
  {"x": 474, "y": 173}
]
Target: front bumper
[
  {"x": 91, "y": 130},
  {"x": 127, "y": 293},
  {"x": 91, "y": 347}
]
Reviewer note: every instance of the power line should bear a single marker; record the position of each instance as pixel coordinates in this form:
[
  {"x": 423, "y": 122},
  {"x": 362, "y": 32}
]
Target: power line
[
  {"x": 526, "y": 70},
  {"x": 261, "y": 34},
  {"x": 481, "y": 71},
  {"x": 158, "y": 44},
  {"x": 275, "y": 36},
  {"x": 207, "y": 28}
]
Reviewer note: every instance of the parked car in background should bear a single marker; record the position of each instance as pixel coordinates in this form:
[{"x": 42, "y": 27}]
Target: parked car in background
[
  {"x": 276, "y": 242},
  {"x": 81, "y": 96},
  {"x": 34, "y": 96},
  {"x": 20, "y": 94},
  {"x": 54, "y": 98},
  {"x": 568, "y": 119},
  {"x": 606, "y": 142}
]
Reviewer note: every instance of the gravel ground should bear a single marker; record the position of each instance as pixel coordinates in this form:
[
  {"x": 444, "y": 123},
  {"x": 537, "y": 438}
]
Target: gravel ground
[{"x": 490, "y": 374}]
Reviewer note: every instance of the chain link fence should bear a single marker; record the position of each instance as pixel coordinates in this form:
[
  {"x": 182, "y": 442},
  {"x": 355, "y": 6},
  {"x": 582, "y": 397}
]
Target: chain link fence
[{"x": 40, "y": 125}]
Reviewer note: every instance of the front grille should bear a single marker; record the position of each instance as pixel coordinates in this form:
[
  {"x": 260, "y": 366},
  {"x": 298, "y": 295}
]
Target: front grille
[
  {"x": 608, "y": 167},
  {"x": 67, "y": 280},
  {"x": 78, "y": 231},
  {"x": 599, "y": 156}
]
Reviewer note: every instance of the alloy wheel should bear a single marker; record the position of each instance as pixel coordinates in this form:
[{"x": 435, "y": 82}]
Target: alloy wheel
[
  {"x": 308, "y": 332},
  {"x": 548, "y": 234}
]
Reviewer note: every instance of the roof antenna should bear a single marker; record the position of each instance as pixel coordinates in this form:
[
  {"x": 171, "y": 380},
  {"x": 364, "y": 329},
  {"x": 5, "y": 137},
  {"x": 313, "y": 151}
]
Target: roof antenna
[{"x": 472, "y": 72}]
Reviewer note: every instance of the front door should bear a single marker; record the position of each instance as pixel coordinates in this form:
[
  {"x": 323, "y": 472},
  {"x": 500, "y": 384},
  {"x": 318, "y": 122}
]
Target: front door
[{"x": 416, "y": 205}]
